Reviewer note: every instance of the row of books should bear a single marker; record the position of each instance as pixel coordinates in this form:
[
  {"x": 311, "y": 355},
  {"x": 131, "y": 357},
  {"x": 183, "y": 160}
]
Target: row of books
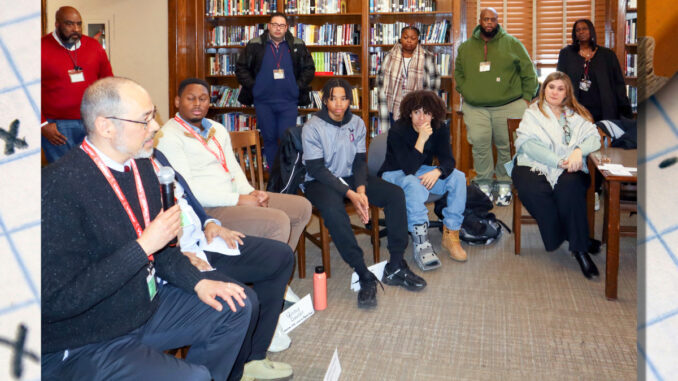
[
  {"x": 240, "y": 7},
  {"x": 305, "y": 7},
  {"x": 402, "y": 6},
  {"x": 374, "y": 98},
  {"x": 436, "y": 33},
  {"x": 376, "y": 57},
  {"x": 631, "y": 4},
  {"x": 223, "y": 64},
  {"x": 316, "y": 99},
  {"x": 237, "y": 121},
  {"x": 631, "y": 28},
  {"x": 327, "y": 34},
  {"x": 224, "y": 96},
  {"x": 631, "y": 64},
  {"x": 233, "y": 34},
  {"x": 337, "y": 63}
]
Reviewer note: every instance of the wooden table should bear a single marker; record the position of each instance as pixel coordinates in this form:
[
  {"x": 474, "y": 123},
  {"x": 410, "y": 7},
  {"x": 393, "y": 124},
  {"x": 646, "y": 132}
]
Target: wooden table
[{"x": 627, "y": 158}]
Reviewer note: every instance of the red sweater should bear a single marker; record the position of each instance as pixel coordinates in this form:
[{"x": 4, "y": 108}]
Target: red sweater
[{"x": 61, "y": 98}]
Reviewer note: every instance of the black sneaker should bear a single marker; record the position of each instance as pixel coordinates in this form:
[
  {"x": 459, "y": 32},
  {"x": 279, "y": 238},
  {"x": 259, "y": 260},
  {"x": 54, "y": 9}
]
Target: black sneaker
[
  {"x": 404, "y": 277},
  {"x": 367, "y": 296}
]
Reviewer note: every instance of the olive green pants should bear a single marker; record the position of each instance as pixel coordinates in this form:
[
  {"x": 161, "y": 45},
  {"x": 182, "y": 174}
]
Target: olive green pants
[{"x": 485, "y": 125}]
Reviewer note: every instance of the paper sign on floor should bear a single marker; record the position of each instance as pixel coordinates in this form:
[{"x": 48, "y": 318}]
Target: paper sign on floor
[
  {"x": 334, "y": 370},
  {"x": 377, "y": 269},
  {"x": 297, "y": 314}
]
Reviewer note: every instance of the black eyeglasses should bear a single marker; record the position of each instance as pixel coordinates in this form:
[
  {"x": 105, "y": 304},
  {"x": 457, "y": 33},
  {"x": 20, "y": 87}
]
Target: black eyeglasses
[{"x": 145, "y": 122}]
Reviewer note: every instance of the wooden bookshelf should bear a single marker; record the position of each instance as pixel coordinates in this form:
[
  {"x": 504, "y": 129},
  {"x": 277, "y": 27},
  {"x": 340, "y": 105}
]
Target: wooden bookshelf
[
  {"x": 624, "y": 45},
  {"x": 189, "y": 27}
]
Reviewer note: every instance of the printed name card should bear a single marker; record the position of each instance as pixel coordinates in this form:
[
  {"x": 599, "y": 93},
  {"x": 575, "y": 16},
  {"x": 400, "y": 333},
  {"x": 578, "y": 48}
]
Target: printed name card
[
  {"x": 334, "y": 370},
  {"x": 377, "y": 269},
  {"x": 297, "y": 314}
]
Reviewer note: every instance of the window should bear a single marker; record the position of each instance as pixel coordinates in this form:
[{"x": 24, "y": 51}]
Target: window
[{"x": 543, "y": 26}]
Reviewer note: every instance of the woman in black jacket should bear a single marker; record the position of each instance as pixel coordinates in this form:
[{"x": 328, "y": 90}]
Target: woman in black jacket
[{"x": 595, "y": 73}]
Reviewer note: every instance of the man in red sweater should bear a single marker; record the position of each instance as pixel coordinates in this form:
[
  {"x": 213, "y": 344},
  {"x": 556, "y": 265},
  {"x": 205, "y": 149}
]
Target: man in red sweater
[{"x": 70, "y": 63}]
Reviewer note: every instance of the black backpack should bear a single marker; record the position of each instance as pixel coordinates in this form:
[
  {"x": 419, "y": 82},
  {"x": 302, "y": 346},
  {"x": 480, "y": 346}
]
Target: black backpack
[
  {"x": 288, "y": 170},
  {"x": 480, "y": 226}
]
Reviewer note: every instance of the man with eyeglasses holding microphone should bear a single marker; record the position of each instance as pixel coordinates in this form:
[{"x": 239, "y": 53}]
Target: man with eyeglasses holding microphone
[{"x": 275, "y": 71}]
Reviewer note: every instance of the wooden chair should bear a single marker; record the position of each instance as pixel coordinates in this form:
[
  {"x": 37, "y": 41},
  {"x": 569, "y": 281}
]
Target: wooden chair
[
  {"x": 518, "y": 217},
  {"x": 247, "y": 148}
]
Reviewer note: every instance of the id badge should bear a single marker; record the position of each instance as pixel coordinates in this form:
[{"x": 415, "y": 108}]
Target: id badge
[
  {"x": 585, "y": 84},
  {"x": 484, "y": 66},
  {"x": 150, "y": 282},
  {"x": 76, "y": 76},
  {"x": 278, "y": 74}
]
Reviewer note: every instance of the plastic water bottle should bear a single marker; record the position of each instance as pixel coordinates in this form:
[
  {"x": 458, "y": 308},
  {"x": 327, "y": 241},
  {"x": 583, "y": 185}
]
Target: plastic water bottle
[{"x": 319, "y": 289}]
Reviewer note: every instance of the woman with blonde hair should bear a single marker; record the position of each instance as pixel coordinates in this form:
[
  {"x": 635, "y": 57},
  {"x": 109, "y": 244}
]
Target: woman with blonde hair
[{"x": 550, "y": 174}]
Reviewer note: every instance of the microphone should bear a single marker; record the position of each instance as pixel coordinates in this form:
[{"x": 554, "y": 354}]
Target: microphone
[{"x": 166, "y": 178}]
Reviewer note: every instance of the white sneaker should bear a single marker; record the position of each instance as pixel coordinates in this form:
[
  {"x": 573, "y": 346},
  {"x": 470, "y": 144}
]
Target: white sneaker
[
  {"x": 487, "y": 190},
  {"x": 280, "y": 341},
  {"x": 596, "y": 205},
  {"x": 290, "y": 296},
  {"x": 504, "y": 195}
]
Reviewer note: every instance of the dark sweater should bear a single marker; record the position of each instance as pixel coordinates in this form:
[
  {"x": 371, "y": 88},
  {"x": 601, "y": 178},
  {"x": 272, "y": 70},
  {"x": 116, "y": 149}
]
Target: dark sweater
[
  {"x": 267, "y": 89},
  {"x": 609, "y": 80},
  {"x": 401, "y": 154},
  {"x": 93, "y": 270}
]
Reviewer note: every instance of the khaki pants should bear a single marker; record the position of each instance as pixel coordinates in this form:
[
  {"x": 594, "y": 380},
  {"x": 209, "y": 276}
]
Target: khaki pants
[
  {"x": 284, "y": 220},
  {"x": 485, "y": 125}
]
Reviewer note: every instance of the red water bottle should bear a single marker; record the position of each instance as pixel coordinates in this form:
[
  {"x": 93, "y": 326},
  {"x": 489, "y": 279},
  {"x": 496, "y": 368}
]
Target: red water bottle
[{"x": 319, "y": 289}]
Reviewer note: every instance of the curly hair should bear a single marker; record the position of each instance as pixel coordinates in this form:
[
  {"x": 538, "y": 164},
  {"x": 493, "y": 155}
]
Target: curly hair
[{"x": 423, "y": 99}]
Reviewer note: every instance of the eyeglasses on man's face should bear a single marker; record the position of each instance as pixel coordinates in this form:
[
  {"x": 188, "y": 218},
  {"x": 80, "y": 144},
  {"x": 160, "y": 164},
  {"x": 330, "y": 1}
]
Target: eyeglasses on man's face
[
  {"x": 148, "y": 120},
  {"x": 277, "y": 26}
]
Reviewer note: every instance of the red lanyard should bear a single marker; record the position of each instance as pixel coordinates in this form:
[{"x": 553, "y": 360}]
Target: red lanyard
[
  {"x": 118, "y": 191},
  {"x": 220, "y": 155},
  {"x": 276, "y": 56}
]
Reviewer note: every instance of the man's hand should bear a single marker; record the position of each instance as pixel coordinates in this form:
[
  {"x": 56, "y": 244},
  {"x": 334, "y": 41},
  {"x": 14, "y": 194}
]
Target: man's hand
[
  {"x": 230, "y": 236},
  {"x": 262, "y": 197},
  {"x": 429, "y": 178},
  {"x": 161, "y": 230},
  {"x": 208, "y": 290},
  {"x": 574, "y": 161},
  {"x": 247, "y": 200},
  {"x": 197, "y": 262},
  {"x": 361, "y": 204},
  {"x": 52, "y": 134}
]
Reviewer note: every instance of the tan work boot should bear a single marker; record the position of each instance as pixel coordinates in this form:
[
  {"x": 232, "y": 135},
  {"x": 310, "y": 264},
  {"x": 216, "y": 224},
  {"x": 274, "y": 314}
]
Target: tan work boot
[
  {"x": 452, "y": 244},
  {"x": 267, "y": 370}
]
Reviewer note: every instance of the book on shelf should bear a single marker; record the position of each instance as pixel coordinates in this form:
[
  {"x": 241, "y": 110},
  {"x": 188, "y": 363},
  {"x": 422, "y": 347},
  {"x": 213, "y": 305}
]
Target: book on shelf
[
  {"x": 327, "y": 34},
  {"x": 223, "y": 64},
  {"x": 240, "y": 7},
  {"x": 334, "y": 63},
  {"x": 402, "y": 6},
  {"x": 307, "y": 7},
  {"x": 436, "y": 33},
  {"x": 632, "y": 4},
  {"x": 631, "y": 28},
  {"x": 631, "y": 64},
  {"x": 632, "y": 93},
  {"x": 224, "y": 96},
  {"x": 376, "y": 57},
  {"x": 237, "y": 121},
  {"x": 233, "y": 34}
]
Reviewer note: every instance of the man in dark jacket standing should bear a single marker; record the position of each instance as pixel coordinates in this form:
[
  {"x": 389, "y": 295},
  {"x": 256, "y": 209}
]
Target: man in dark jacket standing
[{"x": 275, "y": 72}]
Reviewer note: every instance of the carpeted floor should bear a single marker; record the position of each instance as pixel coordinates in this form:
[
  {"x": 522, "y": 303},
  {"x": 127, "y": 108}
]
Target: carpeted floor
[{"x": 496, "y": 317}]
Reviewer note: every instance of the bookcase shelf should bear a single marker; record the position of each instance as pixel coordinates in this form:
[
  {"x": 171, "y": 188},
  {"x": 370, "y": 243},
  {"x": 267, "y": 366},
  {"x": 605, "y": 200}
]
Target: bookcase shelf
[{"x": 191, "y": 25}]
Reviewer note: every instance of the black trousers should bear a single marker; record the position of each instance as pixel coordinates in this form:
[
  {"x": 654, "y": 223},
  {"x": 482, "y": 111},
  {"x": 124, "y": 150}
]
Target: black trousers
[
  {"x": 181, "y": 319},
  {"x": 379, "y": 193},
  {"x": 560, "y": 211},
  {"x": 267, "y": 265}
]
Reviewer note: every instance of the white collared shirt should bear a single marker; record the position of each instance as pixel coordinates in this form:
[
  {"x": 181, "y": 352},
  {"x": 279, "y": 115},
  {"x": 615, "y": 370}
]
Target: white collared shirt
[
  {"x": 110, "y": 163},
  {"x": 74, "y": 47}
]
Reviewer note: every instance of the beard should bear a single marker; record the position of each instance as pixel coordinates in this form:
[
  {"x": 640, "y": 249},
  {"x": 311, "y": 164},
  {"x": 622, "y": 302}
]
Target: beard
[
  {"x": 68, "y": 41},
  {"x": 491, "y": 33},
  {"x": 142, "y": 153}
]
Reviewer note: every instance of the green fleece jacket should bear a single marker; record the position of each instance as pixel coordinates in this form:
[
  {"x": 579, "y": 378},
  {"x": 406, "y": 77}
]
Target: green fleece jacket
[{"x": 511, "y": 75}]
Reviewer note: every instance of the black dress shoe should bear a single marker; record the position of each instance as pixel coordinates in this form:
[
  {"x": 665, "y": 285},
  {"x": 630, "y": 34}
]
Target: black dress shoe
[
  {"x": 594, "y": 246},
  {"x": 588, "y": 268}
]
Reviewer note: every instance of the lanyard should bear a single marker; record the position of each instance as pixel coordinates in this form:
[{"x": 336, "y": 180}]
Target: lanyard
[
  {"x": 75, "y": 61},
  {"x": 276, "y": 56},
  {"x": 485, "y": 60},
  {"x": 220, "y": 155},
  {"x": 118, "y": 191}
]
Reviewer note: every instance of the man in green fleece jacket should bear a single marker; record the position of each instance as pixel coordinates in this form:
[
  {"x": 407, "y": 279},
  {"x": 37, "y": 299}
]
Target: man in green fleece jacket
[{"x": 497, "y": 79}]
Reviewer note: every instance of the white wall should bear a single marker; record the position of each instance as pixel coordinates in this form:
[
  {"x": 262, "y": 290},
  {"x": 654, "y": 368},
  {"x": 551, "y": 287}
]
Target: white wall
[{"x": 137, "y": 38}]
